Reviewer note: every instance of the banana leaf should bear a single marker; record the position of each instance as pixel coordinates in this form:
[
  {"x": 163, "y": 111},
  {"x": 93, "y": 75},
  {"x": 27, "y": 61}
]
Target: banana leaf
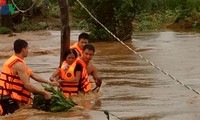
[{"x": 57, "y": 103}]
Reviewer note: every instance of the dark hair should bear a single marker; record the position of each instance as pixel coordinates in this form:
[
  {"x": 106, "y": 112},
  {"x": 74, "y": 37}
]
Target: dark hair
[
  {"x": 84, "y": 36},
  {"x": 89, "y": 47},
  {"x": 19, "y": 44},
  {"x": 70, "y": 51}
]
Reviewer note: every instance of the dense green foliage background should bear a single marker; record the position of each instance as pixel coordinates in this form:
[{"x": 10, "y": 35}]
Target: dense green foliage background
[{"x": 121, "y": 17}]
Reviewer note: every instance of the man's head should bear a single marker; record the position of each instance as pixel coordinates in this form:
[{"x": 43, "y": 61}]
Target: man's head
[
  {"x": 83, "y": 39},
  {"x": 88, "y": 52},
  {"x": 21, "y": 46}
]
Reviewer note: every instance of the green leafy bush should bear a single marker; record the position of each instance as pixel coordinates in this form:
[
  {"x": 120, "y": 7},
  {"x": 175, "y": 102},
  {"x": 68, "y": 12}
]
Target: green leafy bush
[
  {"x": 58, "y": 102},
  {"x": 5, "y": 30},
  {"x": 26, "y": 26},
  {"x": 42, "y": 25}
]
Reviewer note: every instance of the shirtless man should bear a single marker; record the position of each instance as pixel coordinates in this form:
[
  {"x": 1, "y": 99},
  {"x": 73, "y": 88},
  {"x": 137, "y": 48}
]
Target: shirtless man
[
  {"x": 83, "y": 40},
  {"x": 84, "y": 60}
]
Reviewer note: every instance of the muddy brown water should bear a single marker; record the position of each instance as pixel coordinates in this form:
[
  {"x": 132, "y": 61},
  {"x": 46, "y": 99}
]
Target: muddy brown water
[{"x": 132, "y": 88}]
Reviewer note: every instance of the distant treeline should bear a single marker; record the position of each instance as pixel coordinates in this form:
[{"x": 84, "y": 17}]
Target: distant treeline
[{"x": 121, "y": 17}]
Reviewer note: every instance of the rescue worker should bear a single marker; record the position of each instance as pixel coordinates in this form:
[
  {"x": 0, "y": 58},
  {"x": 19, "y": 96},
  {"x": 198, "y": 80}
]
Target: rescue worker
[
  {"x": 79, "y": 70},
  {"x": 15, "y": 85},
  {"x": 83, "y": 39},
  {"x": 87, "y": 69}
]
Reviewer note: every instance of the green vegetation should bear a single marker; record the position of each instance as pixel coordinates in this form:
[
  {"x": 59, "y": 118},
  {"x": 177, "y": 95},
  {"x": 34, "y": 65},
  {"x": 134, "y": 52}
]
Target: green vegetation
[
  {"x": 157, "y": 21},
  {"x": 5, "y": 30},
  {"x": 121, "y": 17},
  {"x": 115, "y": 15},
  {"x": 58, "y": 102},
  {"x": 27, "y": 26}
]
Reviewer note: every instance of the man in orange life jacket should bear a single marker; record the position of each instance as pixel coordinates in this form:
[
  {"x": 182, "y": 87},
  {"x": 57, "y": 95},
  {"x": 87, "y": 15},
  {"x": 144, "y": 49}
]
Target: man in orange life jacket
[
  {"x": 87, "y": 68},
  {"x": 83, "y": 39},
  {"x": 15, "y": 86},
  {"x": 77, "y": 73}
]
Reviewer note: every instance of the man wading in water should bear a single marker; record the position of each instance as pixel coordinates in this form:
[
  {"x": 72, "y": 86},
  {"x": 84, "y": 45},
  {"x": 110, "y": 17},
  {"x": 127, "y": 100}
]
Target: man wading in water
[{"x": 15, "y": 85}]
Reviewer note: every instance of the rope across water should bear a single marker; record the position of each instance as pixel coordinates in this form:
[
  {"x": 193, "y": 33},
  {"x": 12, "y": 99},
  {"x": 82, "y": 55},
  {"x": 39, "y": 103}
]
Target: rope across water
[{"x": 151, "y": 63}]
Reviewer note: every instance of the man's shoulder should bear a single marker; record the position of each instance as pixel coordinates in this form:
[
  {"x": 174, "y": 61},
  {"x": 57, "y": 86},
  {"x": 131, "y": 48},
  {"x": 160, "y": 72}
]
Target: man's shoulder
[
  {"x": 90, "y": 64},
  {"x": 17, "y": 66},
  {"x": 73, "y": 45},
  {"x": 79, "y": 60}
]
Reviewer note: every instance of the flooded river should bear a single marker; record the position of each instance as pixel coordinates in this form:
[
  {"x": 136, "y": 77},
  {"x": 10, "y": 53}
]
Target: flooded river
[{"x": 132, "y": 88}]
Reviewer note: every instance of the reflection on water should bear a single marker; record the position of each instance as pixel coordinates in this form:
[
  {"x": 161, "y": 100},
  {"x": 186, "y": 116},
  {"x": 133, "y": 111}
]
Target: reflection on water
[{"x": 132, "y": 88}]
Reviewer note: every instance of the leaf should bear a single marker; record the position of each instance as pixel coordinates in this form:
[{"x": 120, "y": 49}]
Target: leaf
[{"x": 58, "y": 101}]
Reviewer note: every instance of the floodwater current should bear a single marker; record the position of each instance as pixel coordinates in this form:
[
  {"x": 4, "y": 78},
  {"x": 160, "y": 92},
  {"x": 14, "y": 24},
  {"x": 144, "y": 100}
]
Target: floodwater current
[{"x": 133, "y": 87}]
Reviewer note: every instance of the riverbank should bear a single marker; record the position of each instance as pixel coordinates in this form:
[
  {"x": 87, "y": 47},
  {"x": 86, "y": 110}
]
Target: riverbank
[
  {"x": 192, "y": 22},
  {"x": 52, "y": 23},
  {"x": 187, "y": 23}
]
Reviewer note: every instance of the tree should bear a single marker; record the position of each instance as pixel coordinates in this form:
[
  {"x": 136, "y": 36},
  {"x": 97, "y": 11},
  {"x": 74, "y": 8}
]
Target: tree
[
  {"x": 116, "y": 15},
  {"x": 65, "y": 29}
]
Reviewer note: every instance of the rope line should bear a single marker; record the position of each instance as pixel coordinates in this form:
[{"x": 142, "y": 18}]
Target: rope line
[
  {"x": 23, "y": 11},
  {"x": 151, "y": 63},
  {"x": 107, "y": 113}
]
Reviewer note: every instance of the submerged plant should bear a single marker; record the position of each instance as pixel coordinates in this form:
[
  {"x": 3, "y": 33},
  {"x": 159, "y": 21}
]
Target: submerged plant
[{"x": 58, "y": 102}]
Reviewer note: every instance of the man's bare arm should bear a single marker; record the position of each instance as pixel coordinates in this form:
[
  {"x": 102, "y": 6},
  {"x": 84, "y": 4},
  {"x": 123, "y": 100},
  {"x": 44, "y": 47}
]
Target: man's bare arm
[
  {"x": 94, "y": 72},
  {"x": 42, "y": 80},
  {"x": 17, "y": 67}
]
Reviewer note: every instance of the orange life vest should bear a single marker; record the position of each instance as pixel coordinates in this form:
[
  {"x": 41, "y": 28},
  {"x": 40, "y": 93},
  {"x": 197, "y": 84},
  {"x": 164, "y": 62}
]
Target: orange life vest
[
  {"x": 11, "y": 85},
  {"x": 84, "y": 82},
  {"x": 67, "y": 73},
  {"x": 77, "y": 48}
]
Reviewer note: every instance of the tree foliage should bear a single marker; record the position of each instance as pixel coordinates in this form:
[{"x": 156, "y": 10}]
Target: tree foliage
[
  {"x": 121, "y": 17},
  {"x": 116, "y": 15}
]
